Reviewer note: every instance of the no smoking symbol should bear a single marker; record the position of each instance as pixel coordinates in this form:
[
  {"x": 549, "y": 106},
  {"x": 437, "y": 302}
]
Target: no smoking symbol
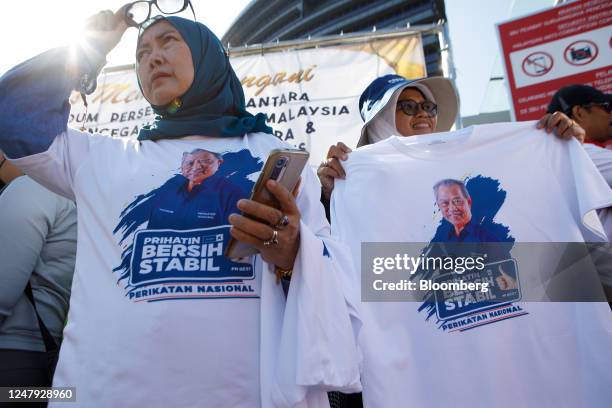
[{"x": 537, "y": 64}]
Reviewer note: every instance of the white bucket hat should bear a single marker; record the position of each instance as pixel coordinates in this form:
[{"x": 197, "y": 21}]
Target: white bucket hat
[{"x": 386, "y": 89}]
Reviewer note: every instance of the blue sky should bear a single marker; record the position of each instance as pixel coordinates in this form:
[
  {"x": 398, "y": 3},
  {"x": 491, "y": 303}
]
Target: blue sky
[{"x": 476, "y": 52}]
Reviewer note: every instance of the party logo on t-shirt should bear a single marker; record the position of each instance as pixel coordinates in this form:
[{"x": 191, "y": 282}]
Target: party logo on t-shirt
[
  {"x": 174, "y": 237},
  {"x": 468, "y": 231}
]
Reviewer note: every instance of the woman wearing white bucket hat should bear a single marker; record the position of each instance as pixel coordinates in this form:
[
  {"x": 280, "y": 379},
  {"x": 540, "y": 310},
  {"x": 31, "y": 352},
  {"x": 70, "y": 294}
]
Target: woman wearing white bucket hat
[{"x": 393, "y": 105}]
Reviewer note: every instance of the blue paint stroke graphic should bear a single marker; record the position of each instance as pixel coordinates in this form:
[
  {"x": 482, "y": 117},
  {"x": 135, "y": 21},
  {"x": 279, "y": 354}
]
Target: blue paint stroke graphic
[
  {"x": 235, "y": 169},
  {"x": 487, "y": 199}
]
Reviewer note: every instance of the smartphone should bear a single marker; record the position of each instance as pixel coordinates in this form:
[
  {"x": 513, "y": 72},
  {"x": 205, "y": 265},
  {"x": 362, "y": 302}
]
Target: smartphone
[{"x": 283, "y": 166}]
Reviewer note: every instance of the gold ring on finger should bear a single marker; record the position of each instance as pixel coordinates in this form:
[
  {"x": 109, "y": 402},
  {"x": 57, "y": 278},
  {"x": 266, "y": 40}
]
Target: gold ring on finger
[{"x": 273, "y": 240}]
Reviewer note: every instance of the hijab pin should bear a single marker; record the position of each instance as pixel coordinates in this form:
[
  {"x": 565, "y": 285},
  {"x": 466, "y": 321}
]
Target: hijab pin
[{"x": 174, "y": 106}]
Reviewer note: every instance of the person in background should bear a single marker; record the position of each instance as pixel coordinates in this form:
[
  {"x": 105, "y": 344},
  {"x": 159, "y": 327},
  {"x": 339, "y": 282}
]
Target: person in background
[
  {"x": 8, "y": 172},
  {"x": 38, "y": 236},
  {"x": 591, "y": 109},
  {"x": 588, "y": 107}
]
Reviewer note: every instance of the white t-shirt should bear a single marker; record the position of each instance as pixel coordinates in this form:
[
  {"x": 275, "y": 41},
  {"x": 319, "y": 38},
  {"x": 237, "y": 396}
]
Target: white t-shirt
[
  {"x": 525, "y": 186},
  {"x": 603, "y": 161},
  {"x": 158, "y": 316},
  {"x": 602, "y": 256},
  {"x": 602, "y": 157}
]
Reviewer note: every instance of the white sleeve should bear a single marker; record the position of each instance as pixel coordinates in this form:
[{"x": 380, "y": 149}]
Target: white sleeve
[
  {"x": 27, "y": 212},
  {"x": 584, "y": 186},
  {"x": 56, "y": 168},
  {"x": 313, "y": 215},
  {"x": 602, "y": 159},
  {"x": 318, "y": 347}
]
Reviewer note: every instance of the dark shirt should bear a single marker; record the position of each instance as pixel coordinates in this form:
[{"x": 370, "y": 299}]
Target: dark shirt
[
  {"x": 470, "y": 233},
  {"x": 326, "y": 205},
  {"x": 473, "y": 240},
  {"x": 208, "y": 204}
]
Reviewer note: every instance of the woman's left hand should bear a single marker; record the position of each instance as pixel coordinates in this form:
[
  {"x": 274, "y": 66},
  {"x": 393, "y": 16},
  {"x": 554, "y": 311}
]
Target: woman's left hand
[
  {"x": 279, "y": 248},
  {"x": 106, "y": 28},
  {"x": 563, "y": 126}
]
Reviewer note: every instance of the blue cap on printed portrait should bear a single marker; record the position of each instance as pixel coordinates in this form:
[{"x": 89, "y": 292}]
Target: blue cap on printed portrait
[{"x": 387, "y": 88}]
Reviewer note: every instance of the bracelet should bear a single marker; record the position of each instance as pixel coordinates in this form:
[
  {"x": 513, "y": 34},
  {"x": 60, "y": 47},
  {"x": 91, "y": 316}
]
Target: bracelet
[{"x": 282, "y": 273}]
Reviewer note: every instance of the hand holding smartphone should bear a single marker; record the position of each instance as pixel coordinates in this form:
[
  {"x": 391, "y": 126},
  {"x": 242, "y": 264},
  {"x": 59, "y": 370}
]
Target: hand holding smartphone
[{"x": 283, "y": 166}]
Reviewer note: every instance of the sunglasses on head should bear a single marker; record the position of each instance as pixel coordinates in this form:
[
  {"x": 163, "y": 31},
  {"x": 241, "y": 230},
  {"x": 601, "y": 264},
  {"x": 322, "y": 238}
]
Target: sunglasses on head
[
  {"x": 138, "y": 13},
  {"x": 410, "y": 107}
]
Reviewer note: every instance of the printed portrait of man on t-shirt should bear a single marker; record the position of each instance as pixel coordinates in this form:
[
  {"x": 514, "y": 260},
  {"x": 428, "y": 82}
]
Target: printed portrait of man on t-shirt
[
  {"x": 461, "y": 234},
  {"x": 196, "y": 198},
  {"x": 199, "y": 165},
  {"x": 455, "y": 203},
  {"x": 177, "y": 233}
]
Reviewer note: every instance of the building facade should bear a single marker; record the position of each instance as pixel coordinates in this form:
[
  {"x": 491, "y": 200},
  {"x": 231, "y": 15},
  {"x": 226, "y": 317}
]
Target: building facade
[{"x": 264, "y": 21}]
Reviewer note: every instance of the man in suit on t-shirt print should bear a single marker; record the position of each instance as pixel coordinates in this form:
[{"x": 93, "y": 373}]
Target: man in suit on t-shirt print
[
  {"x": 455, "y": 203},
  {"x": 461, "y": 236},
  {"x": 196, "y": 198}
]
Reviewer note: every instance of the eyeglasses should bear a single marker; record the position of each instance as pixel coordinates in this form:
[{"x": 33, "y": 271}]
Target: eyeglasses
[
  {"x": 603, "y": 105},
  {"x": 457, "y": 202},
  {"x": 201, "y": 162},
  {"x": 139, "y": 12},
  {"x": 410, "y": 107}
]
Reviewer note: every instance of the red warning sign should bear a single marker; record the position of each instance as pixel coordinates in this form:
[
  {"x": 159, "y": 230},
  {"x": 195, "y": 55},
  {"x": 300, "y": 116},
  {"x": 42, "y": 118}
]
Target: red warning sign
[{"x": 563, "y": 45}]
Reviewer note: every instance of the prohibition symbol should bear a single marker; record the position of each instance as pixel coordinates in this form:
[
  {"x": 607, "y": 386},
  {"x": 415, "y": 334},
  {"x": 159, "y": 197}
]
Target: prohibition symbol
[
  {"x": 580, "y": 52},
  {"x": 537, "y": 64}
]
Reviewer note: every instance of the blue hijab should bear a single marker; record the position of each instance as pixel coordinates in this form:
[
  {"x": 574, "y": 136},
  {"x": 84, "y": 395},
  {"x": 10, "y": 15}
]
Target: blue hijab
[{"x": 214, "y": 103}]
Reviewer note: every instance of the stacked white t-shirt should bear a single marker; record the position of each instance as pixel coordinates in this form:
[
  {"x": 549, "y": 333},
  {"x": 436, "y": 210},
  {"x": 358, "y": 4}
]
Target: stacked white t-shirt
[
  {"x": 526, "y": 354},
  {"x": 602, "y": 157},
  {"x": 158, "y": 315}
]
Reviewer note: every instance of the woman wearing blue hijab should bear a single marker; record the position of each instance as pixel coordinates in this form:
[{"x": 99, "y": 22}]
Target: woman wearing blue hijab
[
  {"x": 212, "y": 103},
  {"x": 159, "y": 316}
]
